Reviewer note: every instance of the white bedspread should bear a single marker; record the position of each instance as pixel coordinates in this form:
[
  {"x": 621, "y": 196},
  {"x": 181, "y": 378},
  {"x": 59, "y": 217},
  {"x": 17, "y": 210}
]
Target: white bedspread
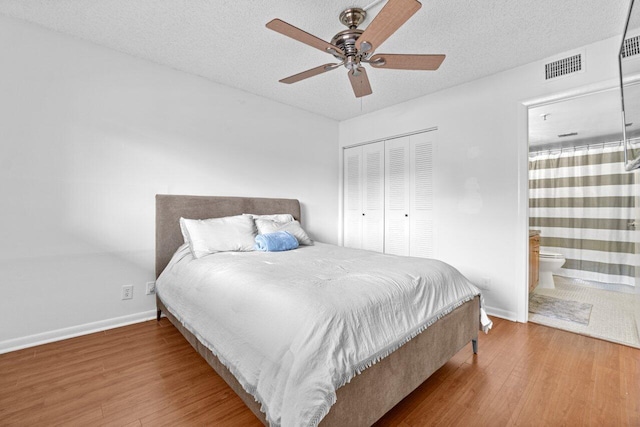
[{"x": 294, "y": 326}]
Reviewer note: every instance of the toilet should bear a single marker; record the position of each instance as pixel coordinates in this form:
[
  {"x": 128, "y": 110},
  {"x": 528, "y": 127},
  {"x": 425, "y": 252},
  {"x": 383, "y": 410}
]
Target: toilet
[{"x": 550, "y": 263}]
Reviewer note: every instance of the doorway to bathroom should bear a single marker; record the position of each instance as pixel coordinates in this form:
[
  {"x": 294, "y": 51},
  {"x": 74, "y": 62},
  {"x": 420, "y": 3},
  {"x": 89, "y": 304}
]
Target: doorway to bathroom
[{"x": 584, "y": 208}]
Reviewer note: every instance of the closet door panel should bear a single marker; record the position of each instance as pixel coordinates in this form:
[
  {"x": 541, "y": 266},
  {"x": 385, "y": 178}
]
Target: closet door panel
[
  {"x": 397, "y": 196},
  {"x": 353, "y": 197},
  {"x": 389, "y": 196},
  {"x": 373, "y": 197},
  {"x": 421, "y": 217}
]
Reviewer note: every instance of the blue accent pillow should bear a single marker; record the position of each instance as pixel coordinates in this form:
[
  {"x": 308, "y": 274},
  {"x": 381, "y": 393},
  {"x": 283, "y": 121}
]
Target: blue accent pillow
[{"x": 275, "y": 242}]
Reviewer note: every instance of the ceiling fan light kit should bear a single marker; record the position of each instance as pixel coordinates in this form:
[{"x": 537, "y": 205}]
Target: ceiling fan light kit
[{"x": 354, "y": 47}]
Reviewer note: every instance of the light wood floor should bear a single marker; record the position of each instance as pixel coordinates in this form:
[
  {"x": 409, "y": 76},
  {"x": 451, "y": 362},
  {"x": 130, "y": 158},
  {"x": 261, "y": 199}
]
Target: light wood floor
[{"x": 147, "y": 374}]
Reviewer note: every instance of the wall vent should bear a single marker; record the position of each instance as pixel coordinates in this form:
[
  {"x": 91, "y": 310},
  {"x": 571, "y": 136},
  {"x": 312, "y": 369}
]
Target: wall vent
[
  {"x": 631, "y": 47},
  {"x": 562, "y": 67}
]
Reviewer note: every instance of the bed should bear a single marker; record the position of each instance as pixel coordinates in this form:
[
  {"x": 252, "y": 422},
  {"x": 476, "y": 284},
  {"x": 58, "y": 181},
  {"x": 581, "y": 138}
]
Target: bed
[{"x": 365, "y": 397}]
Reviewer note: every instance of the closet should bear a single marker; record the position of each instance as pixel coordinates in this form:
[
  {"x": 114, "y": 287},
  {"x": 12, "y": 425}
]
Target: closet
[
  {"x": 388, "y": 195},
  {"x": 364, "y": 197}
]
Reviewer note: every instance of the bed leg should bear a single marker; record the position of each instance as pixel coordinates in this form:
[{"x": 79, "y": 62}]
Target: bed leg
[
  {"x": 474, "y": 344},
  {"x": 159, "y": 314}
]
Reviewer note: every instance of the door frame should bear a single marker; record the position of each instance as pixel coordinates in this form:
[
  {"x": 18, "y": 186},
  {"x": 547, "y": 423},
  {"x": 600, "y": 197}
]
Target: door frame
[{"x": 522, "y": 291}]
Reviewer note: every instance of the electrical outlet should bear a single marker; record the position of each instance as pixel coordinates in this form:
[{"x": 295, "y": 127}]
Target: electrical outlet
[
  {"x": 151, "y": 288},
  {"x": 127, "y": 292}
]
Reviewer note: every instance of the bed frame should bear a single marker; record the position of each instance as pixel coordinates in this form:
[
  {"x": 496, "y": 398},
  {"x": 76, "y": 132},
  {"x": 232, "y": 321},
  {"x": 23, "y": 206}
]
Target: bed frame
[{"x": 377, "y": 389}]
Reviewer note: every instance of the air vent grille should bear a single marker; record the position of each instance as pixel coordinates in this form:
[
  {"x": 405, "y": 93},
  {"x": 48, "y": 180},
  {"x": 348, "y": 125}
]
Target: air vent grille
[
  {"x": 563, "y": 66},
  {"x": 631, "y": 47}
]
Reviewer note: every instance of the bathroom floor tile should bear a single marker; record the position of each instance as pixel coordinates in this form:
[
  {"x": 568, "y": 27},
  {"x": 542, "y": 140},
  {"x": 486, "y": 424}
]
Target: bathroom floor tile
[{"x": 615, "y": 315}]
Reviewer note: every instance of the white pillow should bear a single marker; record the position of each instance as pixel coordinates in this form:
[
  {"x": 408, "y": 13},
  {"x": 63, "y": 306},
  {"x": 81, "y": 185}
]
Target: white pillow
[
  {"x": 208, "y": 236},
  {"x": 266, "y": 226},
  {"x": 274, "y": 217}
]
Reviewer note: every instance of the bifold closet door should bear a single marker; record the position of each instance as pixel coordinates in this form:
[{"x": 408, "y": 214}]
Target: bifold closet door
[
  {"x": 397, "y": 196},
  {"x": 352, "y": 210},
  {"x": 421, "y": 216},
  {"x": 364, "y": 197},
  {"x": 373, "y": 197},
  {"x": 409, "y": 225}
]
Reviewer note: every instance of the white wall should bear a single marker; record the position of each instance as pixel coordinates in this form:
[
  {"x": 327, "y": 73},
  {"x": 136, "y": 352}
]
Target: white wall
[
  {"x": 481, "y": 166},
  {"x": 89, "y": 136}
]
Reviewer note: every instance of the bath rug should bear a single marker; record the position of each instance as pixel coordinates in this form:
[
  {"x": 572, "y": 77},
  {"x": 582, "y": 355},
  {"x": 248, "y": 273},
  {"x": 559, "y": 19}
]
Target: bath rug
[{"x": 573, "y": 311}]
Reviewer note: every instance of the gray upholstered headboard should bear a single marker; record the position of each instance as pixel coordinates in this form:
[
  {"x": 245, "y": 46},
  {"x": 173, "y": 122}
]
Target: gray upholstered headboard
[{"x": 169, "y": 209}]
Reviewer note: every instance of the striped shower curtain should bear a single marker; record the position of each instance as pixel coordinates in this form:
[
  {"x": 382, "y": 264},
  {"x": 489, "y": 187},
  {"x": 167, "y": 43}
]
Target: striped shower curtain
[{"x": 582, "y": 201}]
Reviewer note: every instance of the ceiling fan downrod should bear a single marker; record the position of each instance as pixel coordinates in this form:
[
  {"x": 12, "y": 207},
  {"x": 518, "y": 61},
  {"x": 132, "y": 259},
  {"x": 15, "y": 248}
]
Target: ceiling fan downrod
[{"x": 346, "y": 40}]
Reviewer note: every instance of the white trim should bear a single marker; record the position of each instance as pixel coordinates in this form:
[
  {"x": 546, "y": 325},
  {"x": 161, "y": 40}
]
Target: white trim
[
  {"x": 578, "y": 92},
  {"x": 387, "y": 138},
  {"x": 74, "y": 331},
  {"x": 522, "y": 271},
  {"x": 522, "y": 227},
  {"x": 503, "y": 314},
  {"x": 340, "y": 196}
]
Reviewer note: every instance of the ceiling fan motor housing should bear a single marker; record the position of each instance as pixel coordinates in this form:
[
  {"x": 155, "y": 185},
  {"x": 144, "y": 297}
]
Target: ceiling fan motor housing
[{"x": 346, "y": 41}]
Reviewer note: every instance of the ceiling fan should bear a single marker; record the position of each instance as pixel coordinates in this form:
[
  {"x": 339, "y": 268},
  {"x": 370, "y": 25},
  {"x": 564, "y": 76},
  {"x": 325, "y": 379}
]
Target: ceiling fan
[{"x": 354, "y": 47}]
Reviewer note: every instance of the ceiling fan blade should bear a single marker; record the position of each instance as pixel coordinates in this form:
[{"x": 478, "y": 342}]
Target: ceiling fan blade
[
  {"x": 391, "y": 17},
  {"x": 406, "y": 62},
  {"x": 303, "y": 37},
  {"x": 309, "y": 73},
  {"x": 360, "y": 83}
]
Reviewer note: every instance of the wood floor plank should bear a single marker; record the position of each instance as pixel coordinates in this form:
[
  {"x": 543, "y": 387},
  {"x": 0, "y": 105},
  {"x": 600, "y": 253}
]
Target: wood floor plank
[
  {"x": 461, "y": 387},
  {"x": 432, "y": 409},
  {"x": 147, "y": 374},
  {"x": 629, "y": 360},
  {"x": 607, "y": 410},
  {"x": 154, "y": 398},
  {"x": 631, "y": 390},
  {"x": 509, "y": 400},
  {"x": 232, "y": 412},
  {"x": 528, "y": 371},
  {"x": 492, "y": 378}
]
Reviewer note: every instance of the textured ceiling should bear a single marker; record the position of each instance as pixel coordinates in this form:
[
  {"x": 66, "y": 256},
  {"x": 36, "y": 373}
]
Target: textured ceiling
[
  {"x": 594, "y": 118},
  {"x": 226, "y": 41}
]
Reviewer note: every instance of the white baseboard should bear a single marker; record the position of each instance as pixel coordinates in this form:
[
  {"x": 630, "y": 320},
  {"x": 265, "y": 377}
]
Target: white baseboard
[
  {"x": 503, "y": 314},
  {"x": 102, "y": 325},
  {"x": 74, "y": 331}
]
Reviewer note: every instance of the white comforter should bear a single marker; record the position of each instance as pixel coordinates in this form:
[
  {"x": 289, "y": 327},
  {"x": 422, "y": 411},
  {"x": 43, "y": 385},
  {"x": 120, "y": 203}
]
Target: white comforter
[{"x": 294, "y": 326}]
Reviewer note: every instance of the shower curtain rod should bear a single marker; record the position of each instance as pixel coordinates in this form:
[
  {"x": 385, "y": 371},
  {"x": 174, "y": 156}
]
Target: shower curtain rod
[{"x": 585, "y": 146}]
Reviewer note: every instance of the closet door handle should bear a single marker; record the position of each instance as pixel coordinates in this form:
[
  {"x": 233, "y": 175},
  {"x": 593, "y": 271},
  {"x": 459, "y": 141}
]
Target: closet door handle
[
  {"x": 406, "y": 215},
  {"x": 363, "y": 214}
]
